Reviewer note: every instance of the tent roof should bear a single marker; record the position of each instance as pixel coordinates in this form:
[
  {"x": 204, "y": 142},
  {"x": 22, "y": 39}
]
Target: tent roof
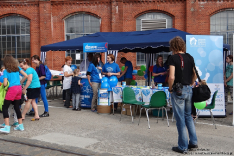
[{"x": 151, "y": 41}]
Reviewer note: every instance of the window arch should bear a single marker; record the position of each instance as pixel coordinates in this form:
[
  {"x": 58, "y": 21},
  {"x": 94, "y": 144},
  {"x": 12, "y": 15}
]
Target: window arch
[
  {"x": 15, "y": 37},
  {"x": 161, "y": 21},
  {"x": 222, "y": 23},
  {"x": 77, "y": 26}
]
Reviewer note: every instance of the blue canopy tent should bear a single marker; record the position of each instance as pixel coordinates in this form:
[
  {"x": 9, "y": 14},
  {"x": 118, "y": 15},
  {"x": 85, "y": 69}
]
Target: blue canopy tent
[
  {"x": 152, "y": 41},
  {"x": 149, "y": 42}
]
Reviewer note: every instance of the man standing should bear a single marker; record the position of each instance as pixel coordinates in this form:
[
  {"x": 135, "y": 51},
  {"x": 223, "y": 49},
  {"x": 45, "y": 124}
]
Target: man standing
[
  {"x": 127, "y": 73},
  {"x": 182, "y": 103}
]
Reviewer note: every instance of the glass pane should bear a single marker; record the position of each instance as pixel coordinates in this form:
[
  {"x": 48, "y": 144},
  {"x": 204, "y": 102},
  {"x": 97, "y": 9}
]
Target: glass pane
[{"x": 12, "y": 42}]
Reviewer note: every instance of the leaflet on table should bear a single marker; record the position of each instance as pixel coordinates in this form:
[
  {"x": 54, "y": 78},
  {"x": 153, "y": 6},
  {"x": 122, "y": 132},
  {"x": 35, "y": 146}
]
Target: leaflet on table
[
  {"x": 117, "y": 94},
  {"x": 147, "y": 93},
  {"x": 138, "y": 94}
]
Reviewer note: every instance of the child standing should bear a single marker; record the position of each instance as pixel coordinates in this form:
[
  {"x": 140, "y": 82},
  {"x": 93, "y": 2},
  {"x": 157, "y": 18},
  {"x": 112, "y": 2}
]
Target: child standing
[
  {"x": 13, "y": 95},
  {"x": 75, "y": 88}
]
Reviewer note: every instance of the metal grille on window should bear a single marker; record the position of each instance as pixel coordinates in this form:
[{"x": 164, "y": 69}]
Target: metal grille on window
[
  {"x": 15, "y": 37},
  {"x": 153, "y": 24},
  {"x": 77, "y": 26}
]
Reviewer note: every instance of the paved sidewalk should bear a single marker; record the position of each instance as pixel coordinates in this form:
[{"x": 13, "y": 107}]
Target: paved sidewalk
[{"x": 105, "y": 134}]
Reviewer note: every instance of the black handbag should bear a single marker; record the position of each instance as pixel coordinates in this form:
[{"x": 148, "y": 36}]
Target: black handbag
[{"x": 202, "y": 92}]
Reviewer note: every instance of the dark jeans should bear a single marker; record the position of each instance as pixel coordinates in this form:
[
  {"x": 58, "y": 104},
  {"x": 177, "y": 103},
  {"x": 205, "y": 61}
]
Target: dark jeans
[{"x": 68, "y": 97}]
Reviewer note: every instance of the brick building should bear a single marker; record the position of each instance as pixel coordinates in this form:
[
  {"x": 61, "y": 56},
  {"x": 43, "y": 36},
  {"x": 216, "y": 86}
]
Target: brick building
[{"x": 26, "y": 25}]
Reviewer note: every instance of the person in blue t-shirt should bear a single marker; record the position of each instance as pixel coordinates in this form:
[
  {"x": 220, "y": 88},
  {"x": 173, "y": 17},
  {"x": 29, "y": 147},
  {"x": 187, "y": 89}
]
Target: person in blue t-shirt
[
  {"x": 95, "y": 79},
  {"x": 32, "y": 85},
  {"x": 127, "y": 73},
  {"x": 100, "y": 62},
  {"x": 111, "y": 68},
  {"x": 159, "y": 71},
  {"x": 13, "y": 94}
]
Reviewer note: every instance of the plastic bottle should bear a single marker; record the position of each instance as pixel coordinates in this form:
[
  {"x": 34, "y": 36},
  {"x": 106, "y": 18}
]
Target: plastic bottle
[{"x": 25, "y": 98}]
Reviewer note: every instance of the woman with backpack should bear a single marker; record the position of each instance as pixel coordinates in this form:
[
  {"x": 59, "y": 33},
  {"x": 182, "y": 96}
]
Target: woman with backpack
[{"x": 41, "y": 72}]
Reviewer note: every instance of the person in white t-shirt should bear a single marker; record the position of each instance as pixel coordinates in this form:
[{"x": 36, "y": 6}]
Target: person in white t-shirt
[
  {"x": 68, "y": 73},
  {"x": 88, "y": 60}
]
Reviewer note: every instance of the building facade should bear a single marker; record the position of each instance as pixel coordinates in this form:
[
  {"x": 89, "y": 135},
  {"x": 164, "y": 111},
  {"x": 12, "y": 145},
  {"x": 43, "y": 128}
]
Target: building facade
[{"x": 26, "y": 25}]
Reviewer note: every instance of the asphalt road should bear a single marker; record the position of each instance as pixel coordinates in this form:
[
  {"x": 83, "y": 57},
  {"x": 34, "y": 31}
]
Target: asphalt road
[{"x": 89, "y": 133}]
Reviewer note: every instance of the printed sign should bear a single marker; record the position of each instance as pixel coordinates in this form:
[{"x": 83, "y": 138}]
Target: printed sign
[
  {"x": 207, "y": 52},
  {"x": 95, "y": 47}
]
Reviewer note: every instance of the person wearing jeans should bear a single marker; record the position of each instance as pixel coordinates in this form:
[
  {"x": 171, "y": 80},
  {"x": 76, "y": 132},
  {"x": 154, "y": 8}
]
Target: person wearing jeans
[
  {"x": 95, "y": 80},
  {"x": 182, "y": 104}
]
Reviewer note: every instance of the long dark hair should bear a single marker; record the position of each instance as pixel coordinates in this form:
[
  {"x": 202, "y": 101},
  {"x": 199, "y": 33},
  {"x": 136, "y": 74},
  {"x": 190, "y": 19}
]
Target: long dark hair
[
  {"x": 95, "y": 60},
  {"x": 157, "y": 60}
]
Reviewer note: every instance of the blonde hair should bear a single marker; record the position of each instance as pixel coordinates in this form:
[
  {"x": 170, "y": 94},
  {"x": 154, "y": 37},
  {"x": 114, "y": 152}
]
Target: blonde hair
[{"x": 76, "y": 71}]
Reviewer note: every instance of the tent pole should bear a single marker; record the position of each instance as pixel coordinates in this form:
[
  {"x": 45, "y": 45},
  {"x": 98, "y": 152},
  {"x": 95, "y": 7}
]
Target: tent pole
[
  {"x": 232, "y": 92},
  {"x": 85, "y": 61},
  {"x": 52, "y": 61}
]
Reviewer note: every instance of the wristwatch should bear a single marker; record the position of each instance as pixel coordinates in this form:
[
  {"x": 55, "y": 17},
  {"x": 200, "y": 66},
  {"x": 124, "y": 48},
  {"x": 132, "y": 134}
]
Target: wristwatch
[{"x": 170, "y": 90}]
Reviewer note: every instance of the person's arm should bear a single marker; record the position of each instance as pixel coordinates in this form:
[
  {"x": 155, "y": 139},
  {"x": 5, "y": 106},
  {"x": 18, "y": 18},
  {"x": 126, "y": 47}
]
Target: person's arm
[
  {"x": 5, "y": 82},
  {"x": 194, "y": 77},
  {"x": 171, "y": 78},
  {"x": 29, "y": 80},
  {"x": 25, "y": 76},
  {"x": 88, "y": 77},
  {"x": 79, "y": 83},
  {"x": 229, "y": 78},
  {"x": 116, "y": 74},
  {"x": 122, "y": 74},
  {"x": 68, "y": 75}
]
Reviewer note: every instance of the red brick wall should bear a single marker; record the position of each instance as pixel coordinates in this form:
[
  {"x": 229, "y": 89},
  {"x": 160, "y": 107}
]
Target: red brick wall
[{"x": 47, "y": 18}]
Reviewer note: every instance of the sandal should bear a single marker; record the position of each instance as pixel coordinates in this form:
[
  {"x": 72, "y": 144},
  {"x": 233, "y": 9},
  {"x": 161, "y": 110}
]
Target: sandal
[{"x": 35, "y": 119}]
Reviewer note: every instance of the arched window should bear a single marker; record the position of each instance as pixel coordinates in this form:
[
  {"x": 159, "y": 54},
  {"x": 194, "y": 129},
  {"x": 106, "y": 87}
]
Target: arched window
[
  {"x": 157, "y": 20},
  {"x": 222, "y": 23},
  {"x": 77, "y": 26},
  {"x": 15, "y": 37}
]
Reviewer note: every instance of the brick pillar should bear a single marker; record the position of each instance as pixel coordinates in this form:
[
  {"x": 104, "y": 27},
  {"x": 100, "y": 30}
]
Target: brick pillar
[
  {"x": 116, "y": 16},
  {"x": 46, "y": 28},
  {"x": 191, "y": 16}
]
